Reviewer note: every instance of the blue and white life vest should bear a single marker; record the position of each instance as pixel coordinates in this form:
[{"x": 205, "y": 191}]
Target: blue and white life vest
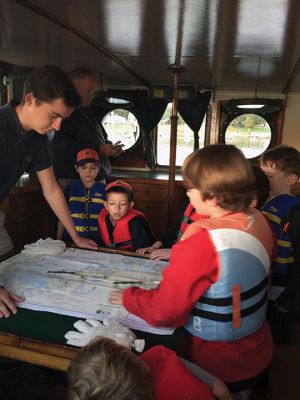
[
  {"x": 235, "y": 305},
  {"x": 85, "y": 206},
  {"x": 275, "y": 210}
]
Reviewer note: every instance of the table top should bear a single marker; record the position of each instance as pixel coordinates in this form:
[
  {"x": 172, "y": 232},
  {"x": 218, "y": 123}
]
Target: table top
[{"x": 50, "y": 327}]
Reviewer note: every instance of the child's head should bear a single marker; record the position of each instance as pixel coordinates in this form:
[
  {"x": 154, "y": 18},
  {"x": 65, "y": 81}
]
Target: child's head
[
  {"x": 262, "y": 187},
  {"x": 106, "y": 370},
  {"x": 88, "y": 166},
  {"x": 219, "y": 176},
  {"x": 118, "y": 199},
  {"x": 282, "y": 167}
]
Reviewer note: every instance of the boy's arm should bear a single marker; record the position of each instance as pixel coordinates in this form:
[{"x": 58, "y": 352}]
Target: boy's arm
[
  {"x": 60, "y": 228},
  {"x": 169, "y": 237},
  {"x": 192, "y": 269},
  {"x": 141, "y": 233},
  {"x": 290, "y": 297}
]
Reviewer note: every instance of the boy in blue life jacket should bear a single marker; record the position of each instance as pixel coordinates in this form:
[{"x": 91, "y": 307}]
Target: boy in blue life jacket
[
  {"x": 85, "y": 197},
  {"x": 121, "y": 226},
  {"x": 282, "y": 167}
]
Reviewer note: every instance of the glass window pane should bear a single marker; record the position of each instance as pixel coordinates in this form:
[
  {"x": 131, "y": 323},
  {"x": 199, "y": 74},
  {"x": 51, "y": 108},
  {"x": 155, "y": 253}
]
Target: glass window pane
[
  {"x": 121, "y": 125},
  {"x": 251, "y": 133},
  {"x": 185, "y": 139}
]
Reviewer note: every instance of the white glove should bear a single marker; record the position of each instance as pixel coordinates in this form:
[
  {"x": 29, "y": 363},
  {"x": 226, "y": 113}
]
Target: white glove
[
  {"x": 91, "y": 328},
  {"x": 47, "y": 247}
]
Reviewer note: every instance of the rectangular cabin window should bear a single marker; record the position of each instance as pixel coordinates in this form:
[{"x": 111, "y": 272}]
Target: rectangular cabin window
[{"x": 185, "y": 139}]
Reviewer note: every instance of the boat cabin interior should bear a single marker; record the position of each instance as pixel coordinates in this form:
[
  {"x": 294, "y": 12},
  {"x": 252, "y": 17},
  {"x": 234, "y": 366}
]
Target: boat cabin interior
[{"x": 172, "y": 77}]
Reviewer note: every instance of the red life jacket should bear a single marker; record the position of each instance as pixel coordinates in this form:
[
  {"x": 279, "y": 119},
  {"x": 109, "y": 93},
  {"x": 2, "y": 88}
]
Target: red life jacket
[
  {"x": 122, "y": 238},
  {"x": 189, "y": 216}
]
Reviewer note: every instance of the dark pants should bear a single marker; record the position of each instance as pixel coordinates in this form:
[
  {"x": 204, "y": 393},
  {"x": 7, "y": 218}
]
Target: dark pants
[{"x": 280, "y": 323}]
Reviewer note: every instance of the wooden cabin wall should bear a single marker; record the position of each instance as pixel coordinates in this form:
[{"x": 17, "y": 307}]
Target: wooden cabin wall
[
  {"x": 27, "y": 215},
  {"x": 29, "y": 218}
]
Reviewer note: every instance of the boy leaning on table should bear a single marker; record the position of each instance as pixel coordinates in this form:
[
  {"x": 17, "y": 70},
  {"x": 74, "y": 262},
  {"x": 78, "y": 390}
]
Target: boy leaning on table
[{"x": 217, "y": 279}]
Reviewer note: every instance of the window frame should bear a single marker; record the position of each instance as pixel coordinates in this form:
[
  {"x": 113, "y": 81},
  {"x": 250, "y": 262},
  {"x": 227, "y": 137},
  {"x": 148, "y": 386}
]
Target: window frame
[
  {"x": 128, "y": 152},
  {"x": 274, "y": 119},
  {"x": 206, "y": 142}
]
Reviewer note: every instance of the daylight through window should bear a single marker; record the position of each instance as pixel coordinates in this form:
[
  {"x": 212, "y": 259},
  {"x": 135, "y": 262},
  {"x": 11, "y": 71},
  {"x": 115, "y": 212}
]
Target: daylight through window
[
  {"x": 185, "y": 139},
  {"x": 121, "y": 125},
  {"x": 251, "y": 133}
]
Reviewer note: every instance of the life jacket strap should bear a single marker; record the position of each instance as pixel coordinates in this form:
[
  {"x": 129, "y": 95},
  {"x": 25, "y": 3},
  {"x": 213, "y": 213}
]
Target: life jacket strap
[
  {"x": 227, "y": 301},
  {"x": 229, "y": 317},
  {"x": 120, "y": 244}
]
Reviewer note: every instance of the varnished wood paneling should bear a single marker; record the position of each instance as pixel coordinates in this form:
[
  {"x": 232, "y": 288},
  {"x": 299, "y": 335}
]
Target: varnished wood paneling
[
  {"x": 151, "y": 198},
  {"x": 27, "y": 215},
  {"x": 32, "y": 357}
]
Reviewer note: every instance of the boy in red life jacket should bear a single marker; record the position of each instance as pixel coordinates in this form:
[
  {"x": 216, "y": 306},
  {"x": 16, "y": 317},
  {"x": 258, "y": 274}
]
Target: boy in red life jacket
[
  {"x": 104, "y": 369},
  {"x": 221, "y": 297},
  {"x": 85, "y": 198},
  {"x": 121, "y": 226}
]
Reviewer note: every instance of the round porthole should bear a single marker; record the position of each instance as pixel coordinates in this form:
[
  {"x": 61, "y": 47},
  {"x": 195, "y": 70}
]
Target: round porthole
[
  {"x": 251, "y": 133},
  {"x": 121, "y": 125}
]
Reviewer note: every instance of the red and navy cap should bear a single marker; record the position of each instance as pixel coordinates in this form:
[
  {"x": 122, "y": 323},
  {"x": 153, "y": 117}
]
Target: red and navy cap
[
  {"x": 87, "y": 155},
  {"x": 119, "y": 184}
]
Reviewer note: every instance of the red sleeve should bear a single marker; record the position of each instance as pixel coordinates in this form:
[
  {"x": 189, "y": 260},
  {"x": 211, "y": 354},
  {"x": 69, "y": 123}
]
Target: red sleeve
[
  {"x": 192, "y": 269},
  {"x": 171, "y": 380}
]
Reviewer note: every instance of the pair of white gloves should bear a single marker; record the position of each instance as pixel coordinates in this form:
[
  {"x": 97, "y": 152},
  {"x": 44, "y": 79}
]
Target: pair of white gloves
[
  {"x": 91, "y": 328},
  {"x": 46, "y": 247}
]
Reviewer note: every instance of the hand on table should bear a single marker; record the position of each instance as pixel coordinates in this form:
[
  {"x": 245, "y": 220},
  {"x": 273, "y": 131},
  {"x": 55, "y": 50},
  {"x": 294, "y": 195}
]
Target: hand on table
[
  {"x": 85, "y": 243},
  {"x": 144, "y": 250},
  {"x": 116, "y": 297},
  {"x": 7, "y": 302},
  {"x": 160, "y": 254}
]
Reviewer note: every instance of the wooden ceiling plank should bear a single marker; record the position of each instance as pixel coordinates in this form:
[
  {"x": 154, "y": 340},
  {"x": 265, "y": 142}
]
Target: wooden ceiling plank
[{"x": 87, "y": 39}]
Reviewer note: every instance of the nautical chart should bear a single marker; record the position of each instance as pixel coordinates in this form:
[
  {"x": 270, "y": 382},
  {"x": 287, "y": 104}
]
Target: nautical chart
[{"x": 78, "y": 282}]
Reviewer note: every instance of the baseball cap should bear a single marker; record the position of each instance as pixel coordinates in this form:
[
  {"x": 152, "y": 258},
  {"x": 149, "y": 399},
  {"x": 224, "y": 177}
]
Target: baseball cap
[
  {"x": 119, "y": 184},
  {"x": 87, "y": 155}
]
